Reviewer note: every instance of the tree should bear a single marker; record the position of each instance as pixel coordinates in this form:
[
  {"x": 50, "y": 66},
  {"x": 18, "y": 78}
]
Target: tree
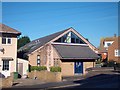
[{"x": 23, "y": 41}]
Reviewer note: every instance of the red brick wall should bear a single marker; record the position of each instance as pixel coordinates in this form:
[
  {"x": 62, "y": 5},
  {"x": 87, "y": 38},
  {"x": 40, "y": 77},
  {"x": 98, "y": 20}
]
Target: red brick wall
[{"x": 111, "y": 51}]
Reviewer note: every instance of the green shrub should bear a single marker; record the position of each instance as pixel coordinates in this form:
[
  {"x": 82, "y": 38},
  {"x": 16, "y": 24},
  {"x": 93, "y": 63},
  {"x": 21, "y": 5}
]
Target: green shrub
[
  {"x": 55, "y": 69},
  {"x": 38, "y": 68},
  {"x": 118, "y": 65},
  {"x": 111, "y": 64},
  {"x": 98, "y": 61}
]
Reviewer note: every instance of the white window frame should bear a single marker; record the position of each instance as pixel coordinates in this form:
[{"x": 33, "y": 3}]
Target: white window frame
[
  {"x": 7, "y": 41},
  {"x": 117, "y": 53},
  {"x": 106, "y": 43}
]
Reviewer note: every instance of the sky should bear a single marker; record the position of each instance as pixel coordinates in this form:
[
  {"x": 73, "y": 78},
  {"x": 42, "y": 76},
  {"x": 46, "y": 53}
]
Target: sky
[{"x": 93, "y": 20}]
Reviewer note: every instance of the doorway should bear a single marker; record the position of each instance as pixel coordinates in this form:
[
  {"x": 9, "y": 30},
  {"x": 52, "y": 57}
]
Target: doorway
[{"x": 78, "y": 67}]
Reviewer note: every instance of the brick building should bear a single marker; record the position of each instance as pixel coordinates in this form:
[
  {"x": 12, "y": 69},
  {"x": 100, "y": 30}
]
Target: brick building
[
  {"x": 67, "y": 49},
  {"x": 114, "y": 50}
]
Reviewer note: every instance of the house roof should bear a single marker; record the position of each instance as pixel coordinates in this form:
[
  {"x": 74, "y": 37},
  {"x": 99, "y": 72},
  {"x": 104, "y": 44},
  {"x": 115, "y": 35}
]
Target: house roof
[
  {"x": 115, "y": 43},
  {"x": 33, "y": 45},
  {"x": 7, "y": 29},
  {"x": 75, "y": 52},
  {"x": 102, "y": 48},
  {"x": 109, "y": 39}
]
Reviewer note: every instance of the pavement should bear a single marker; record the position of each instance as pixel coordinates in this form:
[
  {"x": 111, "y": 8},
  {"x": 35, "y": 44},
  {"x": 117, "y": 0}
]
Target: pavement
[
  {"x": 97, "y": 78},
  {"x": 26, "y": 82}
]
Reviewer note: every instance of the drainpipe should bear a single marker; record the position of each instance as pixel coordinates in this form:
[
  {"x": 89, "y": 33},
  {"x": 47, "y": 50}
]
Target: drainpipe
[{"x": 16, "y": 64}]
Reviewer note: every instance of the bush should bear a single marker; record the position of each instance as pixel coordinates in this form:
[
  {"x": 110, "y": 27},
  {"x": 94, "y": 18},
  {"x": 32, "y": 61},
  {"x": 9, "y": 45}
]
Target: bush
[
  {"x": 118, "y": 65},
  {"x": 55, "y": 69},
  {"x": 98, "y": 61},
  {"x": 38, "y": 68},
  {"x": 111, "y": 64}
]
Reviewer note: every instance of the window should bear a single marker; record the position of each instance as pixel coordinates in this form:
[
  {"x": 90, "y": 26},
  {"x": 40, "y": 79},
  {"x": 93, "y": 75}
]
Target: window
[
  {"x": 5, "y": 64},
  {"x": 38, "y": 59},
  {"x": 9, "y": 41},
  {"x": 70, "y": 38},
  {"x": 77, "y": 40},
  {"x": 6, "y": 40},
  {"x": 56, "y": 62},
  {"x": 117, "y": 53},
  {"x": 3, "y": 40},
  {"x": 108, "y": 44}
]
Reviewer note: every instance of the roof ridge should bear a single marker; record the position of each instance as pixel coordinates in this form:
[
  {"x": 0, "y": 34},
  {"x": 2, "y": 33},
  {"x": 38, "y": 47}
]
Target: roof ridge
[
  {"x": 44, "y": 39},
  {"x": 52, "y": 34}
]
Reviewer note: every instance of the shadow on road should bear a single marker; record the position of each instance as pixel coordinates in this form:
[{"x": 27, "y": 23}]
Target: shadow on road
[
  {"x": 100, "y": 81},
  {"x": 96, "y": 81}
]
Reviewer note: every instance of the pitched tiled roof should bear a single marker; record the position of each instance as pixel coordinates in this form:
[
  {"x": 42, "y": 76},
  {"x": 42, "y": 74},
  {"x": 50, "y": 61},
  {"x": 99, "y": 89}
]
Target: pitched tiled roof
[
  {"x": 116, "y": 42},
  {"x": 109, "y": 38},
  {"x": 35, "y": 44},
  {"x": 7, "y": 29},
  {"x": 75, "y": 52}
]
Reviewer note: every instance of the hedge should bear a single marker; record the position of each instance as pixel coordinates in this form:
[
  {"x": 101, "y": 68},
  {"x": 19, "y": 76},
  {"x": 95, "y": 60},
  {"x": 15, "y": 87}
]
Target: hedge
[
  {"x": 111, "y": 64},
  {"x": 38, "y": 68},
  {"x": 55, "y": 69}
]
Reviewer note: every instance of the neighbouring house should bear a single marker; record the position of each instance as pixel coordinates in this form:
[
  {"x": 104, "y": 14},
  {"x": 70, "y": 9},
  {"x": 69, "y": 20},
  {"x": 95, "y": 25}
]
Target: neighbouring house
[
  {"x": 104, "y": 44},
  {"x": 114, "y": 50},
  {"x": 8, "y": 49},
  {"x": 67, "y": 49}
]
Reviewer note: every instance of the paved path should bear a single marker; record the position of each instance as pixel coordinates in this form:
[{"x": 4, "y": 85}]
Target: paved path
[{"x": 27, "y": 82}]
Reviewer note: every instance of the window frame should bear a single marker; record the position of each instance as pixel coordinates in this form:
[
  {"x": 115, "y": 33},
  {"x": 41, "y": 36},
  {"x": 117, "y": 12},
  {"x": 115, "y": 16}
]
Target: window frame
[
  {"x": 38, "y": 59},
  {"x": 6, "y": 66},
  {"x": 6, "y": 41},
  {"x": 117, "y": 53},
  {"x": 72, "y": 37}
]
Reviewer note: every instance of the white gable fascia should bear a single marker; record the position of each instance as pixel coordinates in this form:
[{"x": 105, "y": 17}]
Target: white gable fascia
[
  {"x": 60, "y": 35},
  {"x": 77, "y": 44},
  {"x": 79, "y": 35},
  {"x": 88, "y": 43}
]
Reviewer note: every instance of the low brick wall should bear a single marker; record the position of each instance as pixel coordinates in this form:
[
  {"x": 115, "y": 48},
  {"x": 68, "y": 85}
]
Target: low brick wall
[
  {"x": 45, "y": 76},
  {"x": 6, "y": 82}
]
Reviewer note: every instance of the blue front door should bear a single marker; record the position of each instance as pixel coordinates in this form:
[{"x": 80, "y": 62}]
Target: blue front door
[{"x": 78, "y": 67}]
